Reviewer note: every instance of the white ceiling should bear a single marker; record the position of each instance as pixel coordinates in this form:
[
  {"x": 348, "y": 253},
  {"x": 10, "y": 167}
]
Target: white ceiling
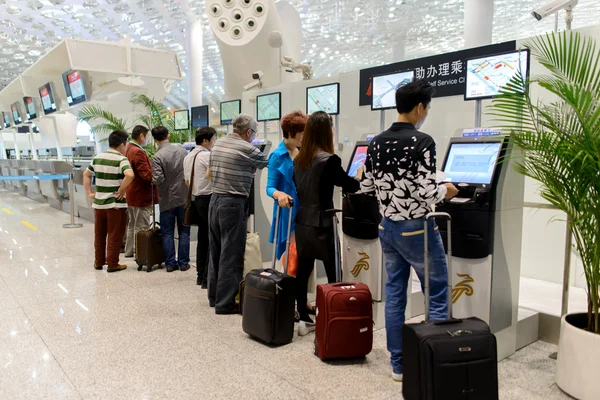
[{"x": 339, "y": 35}]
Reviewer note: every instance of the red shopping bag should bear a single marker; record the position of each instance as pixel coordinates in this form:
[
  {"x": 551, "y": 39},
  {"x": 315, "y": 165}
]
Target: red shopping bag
[{"x": 293, "y": 264}]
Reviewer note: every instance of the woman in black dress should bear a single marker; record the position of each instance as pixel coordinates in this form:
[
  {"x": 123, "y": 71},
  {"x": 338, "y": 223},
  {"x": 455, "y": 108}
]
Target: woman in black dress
[{"x": 316, "y": 171}]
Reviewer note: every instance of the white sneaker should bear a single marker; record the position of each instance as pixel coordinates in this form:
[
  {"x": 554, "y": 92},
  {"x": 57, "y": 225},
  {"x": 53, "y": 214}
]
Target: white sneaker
[
  {"x": 304, "y": 328},
  {"x": 397, "y": 377}
]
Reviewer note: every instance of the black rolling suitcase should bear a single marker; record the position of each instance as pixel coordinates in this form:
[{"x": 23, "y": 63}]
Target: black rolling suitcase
[
  {"x": 148, "y": 245},
  {"x": 269, "y": 300},
  {"x": 454, "y": 359}
]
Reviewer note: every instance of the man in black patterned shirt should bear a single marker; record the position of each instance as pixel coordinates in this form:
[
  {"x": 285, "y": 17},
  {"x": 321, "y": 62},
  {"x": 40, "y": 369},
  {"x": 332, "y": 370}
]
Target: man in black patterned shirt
[{"x": 401, "y": 170}]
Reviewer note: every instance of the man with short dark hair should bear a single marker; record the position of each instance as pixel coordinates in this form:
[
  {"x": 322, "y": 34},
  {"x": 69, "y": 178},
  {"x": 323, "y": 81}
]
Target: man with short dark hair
[
  {"x": 113, "y": 176},
  {"x": 196, "y": 165},
  {"x": 233, "y": 162},
  {"x": 401, "y": 170},
  {"x": 167, "y": 175},
  {"x": 140, "y": 192}
]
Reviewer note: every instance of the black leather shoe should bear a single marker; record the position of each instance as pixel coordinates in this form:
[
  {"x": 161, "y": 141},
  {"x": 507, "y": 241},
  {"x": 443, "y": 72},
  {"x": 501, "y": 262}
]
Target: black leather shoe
[
  {"x": 204, "y": 285},
  {"x": 198, "y": 281},
  {"x": 172, "y": 269},
  {"x": 184, "y": 268}
]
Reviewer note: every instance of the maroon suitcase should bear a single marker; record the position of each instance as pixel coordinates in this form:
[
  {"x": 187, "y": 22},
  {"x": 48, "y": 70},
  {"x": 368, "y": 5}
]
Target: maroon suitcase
[{"x": 344, "y": 324}]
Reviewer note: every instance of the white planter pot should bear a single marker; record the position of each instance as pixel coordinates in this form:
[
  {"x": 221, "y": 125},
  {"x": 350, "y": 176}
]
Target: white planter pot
[{"x": 578, "y": 359}]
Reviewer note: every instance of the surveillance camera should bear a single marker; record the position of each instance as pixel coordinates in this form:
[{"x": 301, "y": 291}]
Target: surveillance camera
[
  {"x": 553, "y": 7},
  {"x": 288, "y": 59},
  {"x": 252, "y": 85},
  {"x": 257, "y": 75}
]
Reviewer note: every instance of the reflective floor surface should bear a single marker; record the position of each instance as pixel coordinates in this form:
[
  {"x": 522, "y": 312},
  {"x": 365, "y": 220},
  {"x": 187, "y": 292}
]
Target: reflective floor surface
[{"x": 70, "y": 332}]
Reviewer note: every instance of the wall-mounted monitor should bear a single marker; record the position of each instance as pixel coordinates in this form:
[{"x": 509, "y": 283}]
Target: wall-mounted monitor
[
  {"x": 323, "y": 98},
  {"x": 385, "y": 86},
  {"x": 472, "y": 162},
  {"x": 182, "y": 120},
  {"x": 77, "y": 87},
  {"x": 47, "y": 98},
  {"x": 15, "y": 110},
  {"x": 199, "y": 116},
  {"x": 5, "y": 119},
  {"x": 487, "y": 76},
  {"x": 268, "y": 107},
  {"x": 230, "y": 110},
  {"x": 31, "y": 109}
]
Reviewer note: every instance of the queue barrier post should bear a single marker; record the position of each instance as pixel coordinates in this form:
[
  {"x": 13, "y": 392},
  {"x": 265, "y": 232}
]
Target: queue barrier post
[{"x": 72, "y": 205}]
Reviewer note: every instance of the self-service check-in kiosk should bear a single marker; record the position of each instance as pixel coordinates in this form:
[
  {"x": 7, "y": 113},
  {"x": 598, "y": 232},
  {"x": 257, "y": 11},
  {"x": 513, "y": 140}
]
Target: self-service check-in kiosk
[
  {"x": 258, "y": 210},
  {"x": 487, "y": 218}
]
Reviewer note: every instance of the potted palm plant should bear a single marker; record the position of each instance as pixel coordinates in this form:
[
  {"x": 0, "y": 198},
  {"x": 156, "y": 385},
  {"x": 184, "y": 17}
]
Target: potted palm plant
[{"x": 560, "y": 149}]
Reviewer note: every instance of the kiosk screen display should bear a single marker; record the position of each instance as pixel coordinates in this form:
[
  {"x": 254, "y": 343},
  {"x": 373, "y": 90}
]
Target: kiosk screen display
[
  {"x": 486, "y": 76},
  {"x": 16, "y": 113},
  {"x": 181, "y": 119},
  {"x": 358, "y": 159},
  {"x": 472, "y": 162},
  {"x": 268, "y": 107},
  {"x": 385, "y": 86},
  {"x": 6, "y": 119},
  {"x": 47, "y": 98},
  {"x": 30, "y": 108},
  {"x": 199, "y": 116},
  {"x": 230, "y": 110},
  {"x": 323, "y": 98},
  {"x": 74, "y": 87}
]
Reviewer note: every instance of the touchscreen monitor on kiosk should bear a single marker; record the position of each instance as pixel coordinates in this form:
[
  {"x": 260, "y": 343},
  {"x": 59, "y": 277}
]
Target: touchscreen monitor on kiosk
[
  {"x": 323, "y": 98},
  {"x": 77, "y": 87},
  {"x": 199, "y": 116},
  {"x": 268, "y": 107},
  {"x": 47, "y": 98},
  {"x": 487, "y": 76},
  {"x": 385, "y": 86},
  {"x": 15, "y": 110},
  {"x": 30, "y": 108},
  {"x": 5, "y": 119},
  {"x": 230, "y": 110},
  {"x": 359, "y": 156},
  {"x": 472, "y": 163}
]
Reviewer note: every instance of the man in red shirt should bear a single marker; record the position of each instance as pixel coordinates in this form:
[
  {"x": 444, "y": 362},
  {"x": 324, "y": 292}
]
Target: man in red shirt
[{"x": 139, "y": 192}]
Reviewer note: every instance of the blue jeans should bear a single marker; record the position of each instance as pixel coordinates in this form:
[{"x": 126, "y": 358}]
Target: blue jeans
[
  {"x": 167, "y": 233},
  {"x": 403, "y": 246}
]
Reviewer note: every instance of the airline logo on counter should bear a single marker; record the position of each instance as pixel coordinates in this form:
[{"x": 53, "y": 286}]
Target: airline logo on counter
[
  {"x": 463, "y": 287},
  {"x": 445, "y": 72},
  {"x": 361, "y": 264}
]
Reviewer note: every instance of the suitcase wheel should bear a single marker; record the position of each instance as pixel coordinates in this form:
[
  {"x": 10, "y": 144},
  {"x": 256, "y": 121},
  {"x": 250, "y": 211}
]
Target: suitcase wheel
[
  {"x": 140, "y": 265},
  {"x": 149, "y": 269}
]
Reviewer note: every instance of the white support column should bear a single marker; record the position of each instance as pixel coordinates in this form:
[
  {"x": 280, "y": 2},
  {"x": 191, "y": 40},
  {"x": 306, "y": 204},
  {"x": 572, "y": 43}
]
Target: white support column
[
  {"x": 194, "y": 62},
  {"x": 479, "y": 18},
  {"x": 34, "y": 155},
  {"x": 17, "y": 150}
]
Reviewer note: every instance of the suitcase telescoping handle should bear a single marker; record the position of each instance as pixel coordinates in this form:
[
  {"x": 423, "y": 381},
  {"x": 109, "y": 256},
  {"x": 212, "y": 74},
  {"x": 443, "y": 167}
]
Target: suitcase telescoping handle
[
  {"x": 426, "y": 261},
  {"x": 154, "y": 224},
  {"x": 336, "y": 244},
  {"x": 289, "y": 232}
]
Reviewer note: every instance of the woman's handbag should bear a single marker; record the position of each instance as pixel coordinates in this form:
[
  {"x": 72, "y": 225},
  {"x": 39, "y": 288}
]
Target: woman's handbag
[{"x": 190, "y": 214}]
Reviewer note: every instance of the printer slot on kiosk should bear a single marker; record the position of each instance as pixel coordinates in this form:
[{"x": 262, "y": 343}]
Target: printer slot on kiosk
[{"x": 487, "y": 216}]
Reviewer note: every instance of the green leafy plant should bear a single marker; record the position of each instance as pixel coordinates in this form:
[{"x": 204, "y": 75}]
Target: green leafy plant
[
  {"x": 559, "y": 141},
  {"x": 109, "y": 122}
]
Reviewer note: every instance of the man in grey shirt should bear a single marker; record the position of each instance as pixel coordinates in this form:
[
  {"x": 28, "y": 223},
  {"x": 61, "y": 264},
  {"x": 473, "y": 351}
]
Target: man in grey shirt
[
  {"x": 233, "y": 162},
  {"x": 168, "y": 176}
]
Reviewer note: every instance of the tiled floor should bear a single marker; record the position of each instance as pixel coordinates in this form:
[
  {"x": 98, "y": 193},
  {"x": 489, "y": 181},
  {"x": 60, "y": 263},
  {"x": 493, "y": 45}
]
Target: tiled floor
[{"x": 69, "y": 332}]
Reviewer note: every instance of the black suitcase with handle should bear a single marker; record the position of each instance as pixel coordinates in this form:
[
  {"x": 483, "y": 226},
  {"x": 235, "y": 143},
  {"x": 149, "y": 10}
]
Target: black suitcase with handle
[
  {"x": 149, "y": 250},
  {"x": 269, "y": 300},
  {"x": 453, "y": 359}
]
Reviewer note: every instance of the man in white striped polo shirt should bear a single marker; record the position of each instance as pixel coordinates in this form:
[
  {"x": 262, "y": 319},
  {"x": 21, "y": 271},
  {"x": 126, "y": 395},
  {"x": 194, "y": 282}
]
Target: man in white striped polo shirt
[{"x": 113, "y": 175}]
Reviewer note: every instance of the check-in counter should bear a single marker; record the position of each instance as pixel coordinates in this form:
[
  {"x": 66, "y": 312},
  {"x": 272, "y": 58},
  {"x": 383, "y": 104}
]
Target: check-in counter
[
  {"x": 34, "y": 191},
  {"x": 4, "y": 171},
  {"x": 56, "y": 191},
  {"x": 83, "y": 202},
  {"x": 15, "y": 170}
]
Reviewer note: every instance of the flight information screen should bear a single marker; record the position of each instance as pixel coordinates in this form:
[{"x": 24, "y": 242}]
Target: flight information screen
[
  {"x": 230, "y": 110},
  {"x": 199, "y": 116},
  {"x": 268, "y": 107},
  {"x": 385, "y": 86},
  {"x": 358, "y": 159},
  {"x": 472, "y": 162},
  {"x": 323, "y": 98},
  {"x": 486, "y": 76}
]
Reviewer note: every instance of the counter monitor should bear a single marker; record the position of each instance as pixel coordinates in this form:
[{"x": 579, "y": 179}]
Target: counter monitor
[
  {"x": 268, "y": 107},
  {"x": 359, "y": 156},
  {"x": 230, "y": 110},
  {"x": 30, "y": 108},
  {"x": 487, "y": 76},
  {"x": 323, "y": 98},
  {"x": 5, "y": 119},
  {"x": 182, "y": 120},
  {"x": 47, "y": 98},
  {"x": 199, "y": 116},
  {"x": 472, "y": 162},
  {"x": 15, "y": 110},
  {"x": 75, "y": 83},
  {"x": 385, "y": 86}
]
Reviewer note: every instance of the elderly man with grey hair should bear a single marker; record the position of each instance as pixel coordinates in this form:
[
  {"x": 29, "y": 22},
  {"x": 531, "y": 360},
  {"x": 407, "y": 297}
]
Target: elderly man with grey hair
[{"x": 233, "y": 162}]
